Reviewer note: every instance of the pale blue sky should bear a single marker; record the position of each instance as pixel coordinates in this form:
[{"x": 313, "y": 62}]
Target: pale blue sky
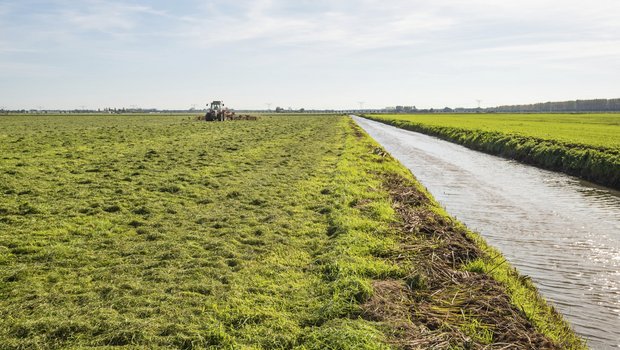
[{"x": 312, "y": 54}]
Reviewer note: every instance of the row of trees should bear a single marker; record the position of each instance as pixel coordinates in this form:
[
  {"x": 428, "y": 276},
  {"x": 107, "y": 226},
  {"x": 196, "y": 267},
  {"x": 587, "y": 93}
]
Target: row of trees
[
  {"x": 282, "y": 110},
  {"x": 597, "y": 105},
  {"x": 402, "y": 109}
]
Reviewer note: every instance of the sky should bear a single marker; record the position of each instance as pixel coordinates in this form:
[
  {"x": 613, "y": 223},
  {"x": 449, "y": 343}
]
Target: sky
[{"x": 65, "y": 54}]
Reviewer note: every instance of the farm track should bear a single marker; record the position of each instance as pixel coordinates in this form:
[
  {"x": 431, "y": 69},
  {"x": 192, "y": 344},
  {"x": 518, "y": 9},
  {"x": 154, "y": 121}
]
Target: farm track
[{"x": 288, "y": 232}]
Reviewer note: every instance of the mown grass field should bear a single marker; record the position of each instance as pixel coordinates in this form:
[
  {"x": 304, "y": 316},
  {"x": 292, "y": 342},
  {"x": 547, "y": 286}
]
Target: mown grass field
[
  {"x": 151, "y": 231},
  {"x": 585, "y": 145}
]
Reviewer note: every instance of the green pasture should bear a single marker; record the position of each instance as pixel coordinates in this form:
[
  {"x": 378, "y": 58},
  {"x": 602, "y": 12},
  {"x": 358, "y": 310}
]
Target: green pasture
[
  {"x": 163, "y": 231},
  {"x": 597, "y": 130},
  {"x": 159, "y": 231}
]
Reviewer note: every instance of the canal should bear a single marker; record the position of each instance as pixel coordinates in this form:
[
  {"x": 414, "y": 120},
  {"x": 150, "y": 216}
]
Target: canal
[{"x": 562, "y": 232}]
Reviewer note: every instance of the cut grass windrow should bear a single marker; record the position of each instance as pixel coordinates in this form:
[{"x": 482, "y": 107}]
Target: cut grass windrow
[
  {"x": 282, "y": 233},
  {"x": 583, "y": 145}
]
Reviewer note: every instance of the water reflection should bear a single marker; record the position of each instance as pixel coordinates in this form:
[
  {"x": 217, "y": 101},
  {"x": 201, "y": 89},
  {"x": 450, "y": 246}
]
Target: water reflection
[{"x": 562, "y": 232}]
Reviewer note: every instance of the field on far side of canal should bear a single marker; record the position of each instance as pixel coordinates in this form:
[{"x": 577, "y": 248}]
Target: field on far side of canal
[
  {"x": 584, "y": 145},
  {"x": 286, "y": 232}
]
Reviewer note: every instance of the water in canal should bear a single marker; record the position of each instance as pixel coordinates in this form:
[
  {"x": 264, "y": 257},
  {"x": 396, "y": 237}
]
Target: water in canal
[{"x": 562, "y": 232}]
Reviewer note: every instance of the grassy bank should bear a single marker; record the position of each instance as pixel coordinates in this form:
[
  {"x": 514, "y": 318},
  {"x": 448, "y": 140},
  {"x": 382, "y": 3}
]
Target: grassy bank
[
  {"x": 287, "y": 232},
  {"x": 584, "y": 145}
]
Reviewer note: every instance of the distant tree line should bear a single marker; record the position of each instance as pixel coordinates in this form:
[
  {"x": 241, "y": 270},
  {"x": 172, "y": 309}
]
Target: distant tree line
[
  {"x": 290, "y": 110},
  {"x": 597, "y": 105},
  {"x": 403, "y": 109}
]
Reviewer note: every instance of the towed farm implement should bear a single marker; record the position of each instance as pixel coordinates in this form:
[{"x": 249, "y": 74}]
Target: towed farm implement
[{"x": 218, "y": 112}]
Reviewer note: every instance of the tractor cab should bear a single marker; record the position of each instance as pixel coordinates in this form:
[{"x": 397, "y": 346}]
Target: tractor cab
[
  {"x": 217, "y": 105},
  {"x": 215, "y": 111}
]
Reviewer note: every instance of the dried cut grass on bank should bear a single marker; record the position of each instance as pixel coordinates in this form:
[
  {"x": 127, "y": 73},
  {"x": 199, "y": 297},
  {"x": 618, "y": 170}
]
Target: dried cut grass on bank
[{"x": 447, "y": 306}]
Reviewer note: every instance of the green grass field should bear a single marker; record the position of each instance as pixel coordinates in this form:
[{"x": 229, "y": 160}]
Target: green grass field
[
  {"x": 594, "y": 130},
  {"x": 153, "y": 231},
  {"x": 585, "y": 145}
]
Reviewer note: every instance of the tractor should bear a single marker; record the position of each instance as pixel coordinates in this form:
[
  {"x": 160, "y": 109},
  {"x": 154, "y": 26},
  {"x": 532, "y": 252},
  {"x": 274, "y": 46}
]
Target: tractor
[{"x": 217, "y": 112}]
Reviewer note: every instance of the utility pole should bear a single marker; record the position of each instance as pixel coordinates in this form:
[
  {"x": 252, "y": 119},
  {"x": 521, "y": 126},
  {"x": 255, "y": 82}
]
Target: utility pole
[
  {"x": 268, "y": 106},
  {"x": 479, "y": 101},
  {"x": 361, "y": 103}
]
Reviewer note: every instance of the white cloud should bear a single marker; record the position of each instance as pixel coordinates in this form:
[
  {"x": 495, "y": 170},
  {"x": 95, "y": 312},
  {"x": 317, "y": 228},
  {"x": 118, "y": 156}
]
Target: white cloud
[
  {"x": 363, "y": 28},
  {"x": 107, "y": 16},
  {"x": 21, "y": 70},
  {"x": 4, "y": 9},
  {"x": 439, "y": 26},
  {"x": 562, "y": 50},
  {"x": 7, "y": 48}
]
